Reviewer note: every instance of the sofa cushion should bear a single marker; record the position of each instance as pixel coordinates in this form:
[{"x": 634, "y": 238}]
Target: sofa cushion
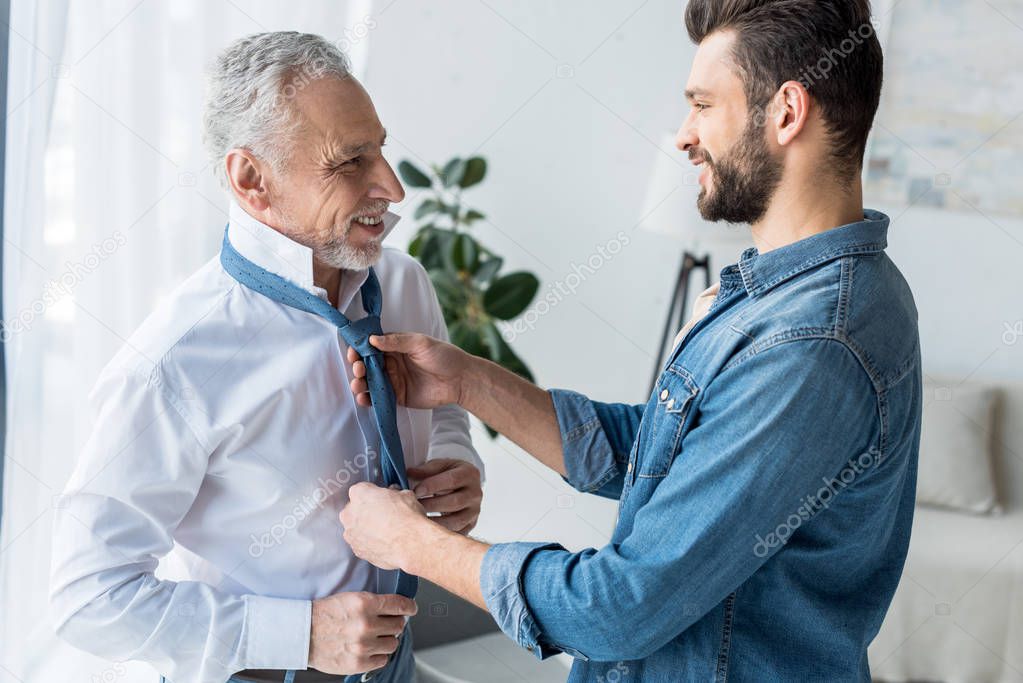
[{"x": 955, "y": 447}]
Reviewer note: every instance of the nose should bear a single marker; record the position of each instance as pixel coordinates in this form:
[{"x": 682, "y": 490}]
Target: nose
[
  {"x": 386, "y": 184},
  {"x": 686, "y": 137}
]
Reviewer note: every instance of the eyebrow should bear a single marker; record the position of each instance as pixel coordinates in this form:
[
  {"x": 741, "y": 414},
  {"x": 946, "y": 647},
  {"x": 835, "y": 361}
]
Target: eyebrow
[
  {"x": 355, "y": 150},
  {"x": 693, "y": 93}
]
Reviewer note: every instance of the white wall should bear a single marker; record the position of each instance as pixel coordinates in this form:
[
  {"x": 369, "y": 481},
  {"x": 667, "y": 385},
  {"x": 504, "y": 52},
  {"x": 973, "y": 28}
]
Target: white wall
[{"x": 569, "y": 161}]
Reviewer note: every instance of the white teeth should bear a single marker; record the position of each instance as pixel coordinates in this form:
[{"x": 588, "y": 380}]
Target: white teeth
[{"x": 368, "y": 220}]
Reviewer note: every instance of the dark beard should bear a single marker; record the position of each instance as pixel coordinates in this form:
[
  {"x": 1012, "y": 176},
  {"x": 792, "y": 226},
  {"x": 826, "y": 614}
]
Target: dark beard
[{"x": 744, "y": 181}]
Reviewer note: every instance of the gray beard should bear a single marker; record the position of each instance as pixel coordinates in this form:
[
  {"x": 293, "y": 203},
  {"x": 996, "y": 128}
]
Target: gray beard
[{"x": 340, "y": 253}]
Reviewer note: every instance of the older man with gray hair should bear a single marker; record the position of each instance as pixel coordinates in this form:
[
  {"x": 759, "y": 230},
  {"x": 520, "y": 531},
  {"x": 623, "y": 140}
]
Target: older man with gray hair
[{"x": 225, "y": 438}]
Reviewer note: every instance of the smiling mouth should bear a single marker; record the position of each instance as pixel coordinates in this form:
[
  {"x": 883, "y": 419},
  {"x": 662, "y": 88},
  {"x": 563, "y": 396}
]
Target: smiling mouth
[
  {"x": 369, "y": 220},
  {"x": 704, "y": 179}
]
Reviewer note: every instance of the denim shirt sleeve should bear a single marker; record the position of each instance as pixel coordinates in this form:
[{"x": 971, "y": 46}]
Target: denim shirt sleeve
[
  {"x": 501, "y": 583},
  {"x": 596, "y": 439},
  {"x": 771, "y": 427}
]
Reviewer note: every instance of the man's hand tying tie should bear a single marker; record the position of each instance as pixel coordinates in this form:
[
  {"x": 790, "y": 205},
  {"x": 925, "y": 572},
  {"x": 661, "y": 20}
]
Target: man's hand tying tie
[
  {"x": 426, "y": 373},
  {"x": 380, "y": 524}
]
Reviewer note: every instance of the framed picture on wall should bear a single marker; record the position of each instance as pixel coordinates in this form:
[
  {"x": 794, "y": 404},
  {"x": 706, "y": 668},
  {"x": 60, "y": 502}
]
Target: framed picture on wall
[{"x": 946, "y": 97}]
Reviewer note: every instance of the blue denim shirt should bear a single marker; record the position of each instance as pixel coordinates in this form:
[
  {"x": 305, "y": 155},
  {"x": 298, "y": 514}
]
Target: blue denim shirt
[{"x": 766, "y": 488}]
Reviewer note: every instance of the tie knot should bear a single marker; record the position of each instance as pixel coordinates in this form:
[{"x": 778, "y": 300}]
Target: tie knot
[{"x": 358, "y": 333}]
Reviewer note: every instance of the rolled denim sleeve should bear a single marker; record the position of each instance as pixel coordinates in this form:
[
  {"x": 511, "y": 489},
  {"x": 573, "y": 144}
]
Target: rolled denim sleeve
[
  {"x": 501, "y": 584},
  {"x": 596, "y": 439},
  {"x": 694, "y": 541}
]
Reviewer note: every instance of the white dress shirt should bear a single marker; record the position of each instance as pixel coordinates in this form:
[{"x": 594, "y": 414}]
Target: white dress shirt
[{"x": 226, "y": 439}]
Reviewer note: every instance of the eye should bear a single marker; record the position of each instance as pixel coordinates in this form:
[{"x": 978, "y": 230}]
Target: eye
[
  {"x": 347, "y": 166},
  {"x": 701, "y": 107}
]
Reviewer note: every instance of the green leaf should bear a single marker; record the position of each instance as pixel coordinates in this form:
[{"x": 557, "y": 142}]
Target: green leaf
[
  {"x": 415, "y": 247},
  {"x": 488, "y": 269},
  {"x": 467, "y": 338},
  {"x": 436, "y": 249},
  {"x": 502, "y": 354},
  {"x": 464, "y": 252},
  {"x": 450, "y": 291},
  {"x": 412, "y": 176},
  {"x": 493, "y": 433},
  {"x": 475, "y": 169},
  {"x": 510, "y": 294},
  {"x": 494, "y": 341},
  {"x": 510, "y": 361},
  {"x": 452, "y": 172},
  {"x": 471, "y": 216},
  {"x": 429, "y": 206}
]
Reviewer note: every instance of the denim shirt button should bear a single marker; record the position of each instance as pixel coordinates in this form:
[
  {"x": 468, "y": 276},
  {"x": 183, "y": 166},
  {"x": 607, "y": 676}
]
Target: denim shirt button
[{"x": 664, "y": 394}]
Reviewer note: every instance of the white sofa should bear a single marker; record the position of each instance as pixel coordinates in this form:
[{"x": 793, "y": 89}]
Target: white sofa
[{"x": 957, "y": 616}]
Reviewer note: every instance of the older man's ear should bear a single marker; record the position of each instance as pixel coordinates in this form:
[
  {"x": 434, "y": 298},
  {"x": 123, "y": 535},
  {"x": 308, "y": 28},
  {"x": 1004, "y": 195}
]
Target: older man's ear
[{"x": 248, "y": 181}]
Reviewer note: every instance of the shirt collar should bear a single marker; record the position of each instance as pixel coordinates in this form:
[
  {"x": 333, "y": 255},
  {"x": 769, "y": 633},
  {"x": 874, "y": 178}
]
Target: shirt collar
[
  {"x": 268, "y": 248},
  {"x": 762, "y": 272}
]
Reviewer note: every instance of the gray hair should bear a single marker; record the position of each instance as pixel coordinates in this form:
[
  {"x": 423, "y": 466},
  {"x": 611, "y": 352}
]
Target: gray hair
[{"x": 249, "y": 89}]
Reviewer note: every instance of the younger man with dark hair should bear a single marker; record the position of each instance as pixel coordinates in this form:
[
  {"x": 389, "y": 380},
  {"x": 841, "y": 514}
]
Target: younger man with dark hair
[{"x": 766, "y": 487}]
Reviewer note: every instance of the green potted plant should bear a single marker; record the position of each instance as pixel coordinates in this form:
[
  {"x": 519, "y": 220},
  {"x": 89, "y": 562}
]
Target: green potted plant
[{"x": 474, "y": 295}]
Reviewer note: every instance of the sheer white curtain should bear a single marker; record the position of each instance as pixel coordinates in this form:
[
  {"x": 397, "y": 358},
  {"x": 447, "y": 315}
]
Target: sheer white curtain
[{"x": 110, "y": 203}]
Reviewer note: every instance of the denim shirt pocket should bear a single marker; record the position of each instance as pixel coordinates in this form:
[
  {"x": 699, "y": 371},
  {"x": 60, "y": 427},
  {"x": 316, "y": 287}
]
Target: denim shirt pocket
[{"x": 669, "y": 407}]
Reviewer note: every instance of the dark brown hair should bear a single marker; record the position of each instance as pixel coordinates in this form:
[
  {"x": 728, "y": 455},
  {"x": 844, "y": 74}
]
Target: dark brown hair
[{"x": 829, "y": 46}]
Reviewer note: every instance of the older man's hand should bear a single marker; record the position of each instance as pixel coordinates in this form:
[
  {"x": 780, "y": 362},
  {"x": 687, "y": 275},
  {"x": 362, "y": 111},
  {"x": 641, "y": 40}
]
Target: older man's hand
[
  {"x": 449, "y": 487},
  {"x": 355, "y": 632},
  {"x": 380, "y": 524}
]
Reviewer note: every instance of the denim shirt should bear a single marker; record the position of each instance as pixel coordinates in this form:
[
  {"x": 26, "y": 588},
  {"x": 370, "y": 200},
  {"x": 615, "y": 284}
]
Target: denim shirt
[{"x": 766, "y": 488}]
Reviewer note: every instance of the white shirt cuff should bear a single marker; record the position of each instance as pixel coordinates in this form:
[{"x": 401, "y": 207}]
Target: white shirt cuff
[{"x": 276, "y": 633}]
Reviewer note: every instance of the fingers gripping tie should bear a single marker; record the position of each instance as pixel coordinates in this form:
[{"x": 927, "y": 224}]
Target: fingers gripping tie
[{"x": 357, "y": 335}]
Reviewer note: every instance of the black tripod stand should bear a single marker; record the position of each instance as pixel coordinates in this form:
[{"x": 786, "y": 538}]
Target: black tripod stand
[{"x": 677, "y": 308}]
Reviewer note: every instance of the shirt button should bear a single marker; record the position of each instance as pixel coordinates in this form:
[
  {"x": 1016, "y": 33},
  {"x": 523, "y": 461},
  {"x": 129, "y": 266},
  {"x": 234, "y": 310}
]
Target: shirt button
[
  {"x": 664, "y": 394},
  {"x": 629, "y": 468},
  {"x": 669, "y": 404}
]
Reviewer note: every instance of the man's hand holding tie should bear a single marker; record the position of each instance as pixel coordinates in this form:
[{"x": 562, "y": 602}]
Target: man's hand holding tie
[
  {"x": 356, "y": 632},
  {"x": 450, "y": 490}
]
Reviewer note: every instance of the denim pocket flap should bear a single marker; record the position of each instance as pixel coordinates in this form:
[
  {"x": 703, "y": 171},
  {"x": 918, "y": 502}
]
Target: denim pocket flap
[{"x": 673, "y": 396}]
